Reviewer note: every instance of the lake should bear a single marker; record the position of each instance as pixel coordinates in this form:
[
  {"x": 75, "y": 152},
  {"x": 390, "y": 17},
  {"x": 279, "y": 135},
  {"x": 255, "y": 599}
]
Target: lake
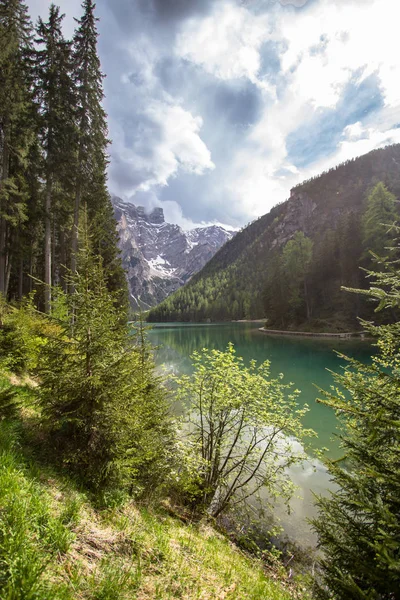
[{"x": 304, "y": 361}]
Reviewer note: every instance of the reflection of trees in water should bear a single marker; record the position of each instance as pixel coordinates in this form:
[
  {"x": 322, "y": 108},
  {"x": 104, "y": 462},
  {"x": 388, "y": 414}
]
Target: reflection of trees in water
[
  {"x": 289, "y": 355},
  {"x": 170, "y": 360},
  {"x": 184, "y": 340},
  {"x": 303, "y": 361}
]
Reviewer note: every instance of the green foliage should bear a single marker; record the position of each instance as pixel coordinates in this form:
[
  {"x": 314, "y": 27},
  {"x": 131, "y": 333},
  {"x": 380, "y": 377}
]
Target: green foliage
[
  {"x": 358, "y": 525},
  {"x": 37, "y": 531},
  {"x": 104, "y": 406},
  {"x": 8, "y": 403},
  {"x": 117, "y": 554},
  {"x": 297, "y": 256},
  {"x": 16, "y": 128},
  {"x": 377, "y": 220},
  {"x": 55, "y": 99},
  {"x": 238, "y": 431},
  {"x": 29, "y": 535},
  {"x": 53, "y": 153},
  {"x": 22, "y": 336}
]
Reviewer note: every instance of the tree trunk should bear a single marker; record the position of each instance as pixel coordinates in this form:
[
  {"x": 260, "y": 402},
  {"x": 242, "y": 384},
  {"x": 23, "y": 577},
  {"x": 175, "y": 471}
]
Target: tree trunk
[
  {"x": 8, "y": 274},
  {"x": 63, "y": 259},
  {"x": 47, "y": 249},
  {"x": 31, "y": 271},
  {"x": 3, "y": 258},
  {"x": 54, "y": 273},
  {"x": 21, "y": 278},
  {"x": 74, "y": 241},
  {"x": 3, "y": 223}
]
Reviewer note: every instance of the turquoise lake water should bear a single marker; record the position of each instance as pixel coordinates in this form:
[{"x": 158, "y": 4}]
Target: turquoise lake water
[{"x": 304, "y": 361}]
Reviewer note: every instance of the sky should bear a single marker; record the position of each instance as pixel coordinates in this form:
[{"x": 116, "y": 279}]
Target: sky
[{"x": 217, "y": 108}]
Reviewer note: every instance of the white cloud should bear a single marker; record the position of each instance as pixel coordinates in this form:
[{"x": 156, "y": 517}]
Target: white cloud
[
  {"x": 322, "y": 48},
  {"x": 256, "y": 187},
  {"x": 180, "y": 146},
  {"x": 354, "y": 132},
  {"x": 173, "y": 214},
  {"x": 325, "y": 46},
  {"x": 356, "y": 35},
  {"x": 227, "y": 43},
  {"x": 177, "y": 146}
]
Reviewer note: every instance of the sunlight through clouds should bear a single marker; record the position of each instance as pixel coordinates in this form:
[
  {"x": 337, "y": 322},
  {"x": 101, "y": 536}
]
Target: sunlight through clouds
[{"x": 221, "y": 106}]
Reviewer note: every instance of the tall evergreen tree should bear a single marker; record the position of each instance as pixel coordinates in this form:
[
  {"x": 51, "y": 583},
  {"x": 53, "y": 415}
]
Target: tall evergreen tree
[
  {"x": 54, "y": 94},
  {"x": 297, "y": 257},
  {"x": 380, "y": 214},
  {"x": 108, "y": 415},
  {"x": 16, "y": 131},
  {"x": 276, "y": 300},
  {"x": 359, "y": 524},
  {"x": 91, "y": 118},
  {"x": 91, "y": 178}
]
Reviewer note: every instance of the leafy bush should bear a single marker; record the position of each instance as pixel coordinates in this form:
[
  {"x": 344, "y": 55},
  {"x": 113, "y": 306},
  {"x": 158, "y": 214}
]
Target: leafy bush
[
  {"x": 23, "y": 332},
  {"x": 239, "y": 431}
]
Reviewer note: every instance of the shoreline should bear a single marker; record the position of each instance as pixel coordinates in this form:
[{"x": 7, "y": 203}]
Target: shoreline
[
  {"x": 361, "y": 335},
  {"x": 248, "y": 321}
]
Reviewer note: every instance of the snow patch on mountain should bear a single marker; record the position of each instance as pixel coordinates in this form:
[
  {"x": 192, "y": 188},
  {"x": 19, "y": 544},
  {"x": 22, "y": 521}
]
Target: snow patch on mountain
[{"x": 160, "y": 257}]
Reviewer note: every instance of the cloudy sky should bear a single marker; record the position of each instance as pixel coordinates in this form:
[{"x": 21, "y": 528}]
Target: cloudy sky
[{"x": 218, "y": 107}]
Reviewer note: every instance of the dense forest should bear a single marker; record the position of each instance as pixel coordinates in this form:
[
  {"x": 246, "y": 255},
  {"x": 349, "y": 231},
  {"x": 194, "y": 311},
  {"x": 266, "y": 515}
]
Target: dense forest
[
  {"x": 289, "y": 265},
  {"x": 53, "y": 153}
]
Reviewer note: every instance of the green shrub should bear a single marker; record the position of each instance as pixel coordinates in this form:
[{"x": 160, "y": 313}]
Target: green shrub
[
  {"x": 23, "y": 333},
  {"x": 238, "y": 432}
]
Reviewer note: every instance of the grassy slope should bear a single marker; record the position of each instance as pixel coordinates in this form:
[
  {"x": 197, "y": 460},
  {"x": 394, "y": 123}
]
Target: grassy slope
[{"x": 54, "y": 544}]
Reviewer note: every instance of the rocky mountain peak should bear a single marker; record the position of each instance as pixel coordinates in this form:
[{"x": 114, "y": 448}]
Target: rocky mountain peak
[
  {"x": 160, "y": 257},
  {"x": 157, "y": 216}
]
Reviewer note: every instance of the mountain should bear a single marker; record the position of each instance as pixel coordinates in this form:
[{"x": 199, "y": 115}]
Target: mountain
[
  {"x": 160, "y": 257},
  {"x": 250, "y": 277}
]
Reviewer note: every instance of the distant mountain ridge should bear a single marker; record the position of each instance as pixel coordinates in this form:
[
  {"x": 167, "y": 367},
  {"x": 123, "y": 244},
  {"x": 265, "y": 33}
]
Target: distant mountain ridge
[
  {"x": 327, "y": 209},
  {"x": 159, "y": 257}
]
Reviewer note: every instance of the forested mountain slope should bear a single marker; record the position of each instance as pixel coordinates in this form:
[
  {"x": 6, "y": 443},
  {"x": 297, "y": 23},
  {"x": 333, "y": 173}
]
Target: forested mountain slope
[{"x": 270, "y": 270}]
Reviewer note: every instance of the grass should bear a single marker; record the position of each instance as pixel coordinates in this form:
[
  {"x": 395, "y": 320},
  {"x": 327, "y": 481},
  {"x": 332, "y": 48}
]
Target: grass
[{"x": 56, "y": 545}]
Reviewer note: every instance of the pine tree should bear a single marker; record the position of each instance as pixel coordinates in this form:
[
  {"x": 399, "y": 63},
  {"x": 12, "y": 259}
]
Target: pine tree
[
  {"x": 297, "y": 257},
  {"x": 359, "y": 524},
  {"x": 276, "y": 300},
  {"x": 105, "y": 409},
  {"x": 91, "y": 179},
  {"x": 55, "y": 98},
  {"x": 16, "y": 129},
  {"x": 380, "y": 214},
  {"x": 91, "y": 118}
]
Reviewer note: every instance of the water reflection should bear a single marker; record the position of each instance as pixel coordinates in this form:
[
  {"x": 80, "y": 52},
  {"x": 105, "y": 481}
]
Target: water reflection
[{"x": 304, "y": 361}]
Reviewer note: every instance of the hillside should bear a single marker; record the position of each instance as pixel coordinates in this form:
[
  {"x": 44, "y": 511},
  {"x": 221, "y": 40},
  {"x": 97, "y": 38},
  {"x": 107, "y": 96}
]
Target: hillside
[
  {"x": 245, "y": 279},
  {"x": 59, "y": 542},
  {"x": 159, "y": 257}
]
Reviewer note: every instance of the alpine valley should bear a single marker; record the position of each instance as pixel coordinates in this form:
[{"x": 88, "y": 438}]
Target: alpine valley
[
  {"x": 160, "y": 257},
  {"x": 289, "y": 265}
]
